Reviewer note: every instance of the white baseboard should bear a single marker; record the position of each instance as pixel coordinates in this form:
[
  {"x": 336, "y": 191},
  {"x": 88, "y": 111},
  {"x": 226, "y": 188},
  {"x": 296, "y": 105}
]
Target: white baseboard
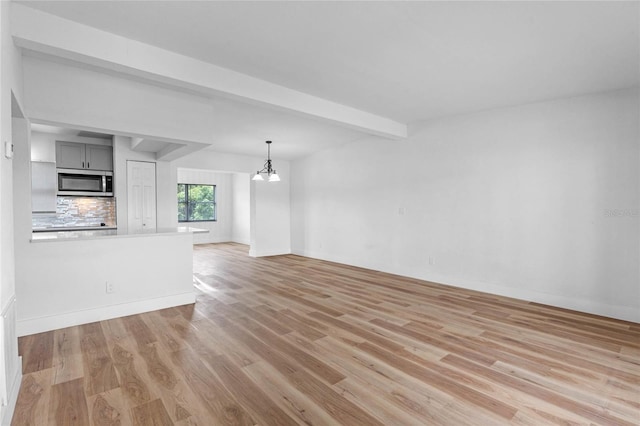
[
  {"x": 625, "y": 313},
  {"x": 241, "y": 241},
  {"x": 41, "y": 324},
  {"x": 263, "y": 253},
  {"x": 209, "y": 239},
  {"x": 12, "y": 397}
]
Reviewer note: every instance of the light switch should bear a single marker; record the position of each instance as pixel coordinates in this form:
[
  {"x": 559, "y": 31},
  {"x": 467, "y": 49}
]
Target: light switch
[{"x": 8, "y": 149}]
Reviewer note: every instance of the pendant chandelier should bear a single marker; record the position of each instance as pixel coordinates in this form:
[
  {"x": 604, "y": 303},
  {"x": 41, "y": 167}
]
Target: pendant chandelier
[{"x": 272, "y": 176}]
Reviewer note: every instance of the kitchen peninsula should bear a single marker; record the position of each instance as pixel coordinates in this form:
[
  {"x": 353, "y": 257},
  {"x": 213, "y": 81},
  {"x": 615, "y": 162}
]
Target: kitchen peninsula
[
  {"x": 100, "y": 274},
  {"x": 77, "y": 260},
  {"x": 107, "y": 232}
]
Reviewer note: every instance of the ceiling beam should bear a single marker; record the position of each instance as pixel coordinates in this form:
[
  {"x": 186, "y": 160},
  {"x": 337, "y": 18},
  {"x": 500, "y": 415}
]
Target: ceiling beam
[
  {"x": 45, "y": 33},
  {"x": 174, "y": 151},
  {"x": 135, "y": 144}
]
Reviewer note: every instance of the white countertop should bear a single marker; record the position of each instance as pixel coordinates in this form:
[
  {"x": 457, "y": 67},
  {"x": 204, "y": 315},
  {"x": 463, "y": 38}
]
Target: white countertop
[
  {"x": 72, "y": 228},
  {"x": 110, "y": 233}
]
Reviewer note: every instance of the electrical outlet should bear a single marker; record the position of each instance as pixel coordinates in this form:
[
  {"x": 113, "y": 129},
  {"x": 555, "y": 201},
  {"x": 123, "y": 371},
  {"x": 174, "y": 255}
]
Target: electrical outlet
[
  {"x": 432, "y": 260},
  {"x": 109, "y": 287}
]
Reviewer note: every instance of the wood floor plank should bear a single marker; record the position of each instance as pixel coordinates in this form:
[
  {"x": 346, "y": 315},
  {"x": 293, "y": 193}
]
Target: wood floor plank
[
  {"x": 293, "y": 323},
  {"x": 139, "y": 329},
  {"x": 67, "y": 356},
  {"x": 69, "y": 403},
  {"x": 342, "y": 410},
  {"x": 390, "y": 402},
  {"x": 293, "y": 340},
  {"x": 539, "y": 392},
  {"x": 223, "y": 344},
  {"x": 100, "y": 374},
  {"x": 132, "y": 385},
  {"x": 337, "y": 407},
  {"x": 152, "y": 413},
  {"x": 187, "y": 333},
  {"x": 290, "y": 399},
  {"x": 304, "y": 359},
  {"x": 152, "y": 367},
  {"x": 39, "y": 355},
  {"x": 310, "y": 303},
  {"x": 406, "y": 391},
  {"x": 572, "y": 360},
  {"x": 442, "y": 382},
  {"x": 182, "y": 404},
  {"x": 32, "y": 406},
  {"x": 159, "y": 371},
  {"x": 266, "y": 320},
  {"x": 168, "y": 339},
  {"x": 223, "y": 409},
  {"x": 103, "y": 413},
  {"x": 575, "y": 391},
  {"x": 179, "y": 400},
  {"x": 250, "y": 395},
  {"x": 357, "y": 331}
]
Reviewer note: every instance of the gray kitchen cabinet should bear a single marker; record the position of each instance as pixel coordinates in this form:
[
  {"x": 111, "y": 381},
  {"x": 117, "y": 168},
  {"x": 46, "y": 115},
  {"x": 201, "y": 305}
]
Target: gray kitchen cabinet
[
  {"x": 73, "y": 155},
  {"x": 70, "y": 155},
  {"x": 99, "y": 157},
  {"x": 43, "y": 187}
]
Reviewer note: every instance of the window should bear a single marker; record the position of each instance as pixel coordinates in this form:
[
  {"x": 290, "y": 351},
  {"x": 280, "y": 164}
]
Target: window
[{"x": 196, "y": 203}]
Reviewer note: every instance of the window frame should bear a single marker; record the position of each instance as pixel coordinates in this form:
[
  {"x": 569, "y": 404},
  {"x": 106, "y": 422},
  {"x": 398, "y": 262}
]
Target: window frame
[{"x": 186, "y": 202}]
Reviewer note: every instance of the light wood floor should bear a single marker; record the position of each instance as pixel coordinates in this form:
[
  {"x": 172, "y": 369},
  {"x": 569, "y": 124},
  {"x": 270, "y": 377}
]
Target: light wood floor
[{"x": 290, "y": 340}]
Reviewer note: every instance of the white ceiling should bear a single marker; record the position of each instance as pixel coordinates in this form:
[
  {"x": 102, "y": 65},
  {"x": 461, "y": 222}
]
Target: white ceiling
[
  {"x": 406, "y": 61},
  {"x": 238, "y": 126}
]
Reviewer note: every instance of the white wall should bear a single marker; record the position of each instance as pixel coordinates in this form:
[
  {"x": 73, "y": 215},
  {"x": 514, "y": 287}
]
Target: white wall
[
  {"x": 515, "y": 201},
  {"x": 10, "y": 85},
  {"x": 270, "y": 229},
  {"x": 148, "y": 272},
  {"x": 219, "y": 230},
  {"x": 7, "y": 277},
  {"x": 270, "y": 232},
  {"x": 241, "y": 187},
  {"x": 65, "y": 94},
  {"x": 11, "y": 100}
]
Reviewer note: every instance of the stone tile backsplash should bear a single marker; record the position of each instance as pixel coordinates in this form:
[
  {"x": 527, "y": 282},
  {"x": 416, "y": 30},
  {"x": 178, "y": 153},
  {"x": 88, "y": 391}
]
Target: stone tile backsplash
[{"x": 79, "y": 211}]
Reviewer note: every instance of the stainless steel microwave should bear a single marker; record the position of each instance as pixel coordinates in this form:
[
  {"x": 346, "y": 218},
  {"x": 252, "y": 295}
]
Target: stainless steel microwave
[{"x": 87, "y": 183}]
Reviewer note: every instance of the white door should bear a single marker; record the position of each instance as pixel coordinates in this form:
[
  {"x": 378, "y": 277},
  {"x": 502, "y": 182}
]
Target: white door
[{"x": 141, "y": 196}]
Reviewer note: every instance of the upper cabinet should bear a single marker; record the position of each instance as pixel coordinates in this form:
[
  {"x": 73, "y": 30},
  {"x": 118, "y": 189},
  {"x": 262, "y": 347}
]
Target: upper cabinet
[
  {"x": 99, "y": 157},
  {"x": 72, "y": 155}
]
